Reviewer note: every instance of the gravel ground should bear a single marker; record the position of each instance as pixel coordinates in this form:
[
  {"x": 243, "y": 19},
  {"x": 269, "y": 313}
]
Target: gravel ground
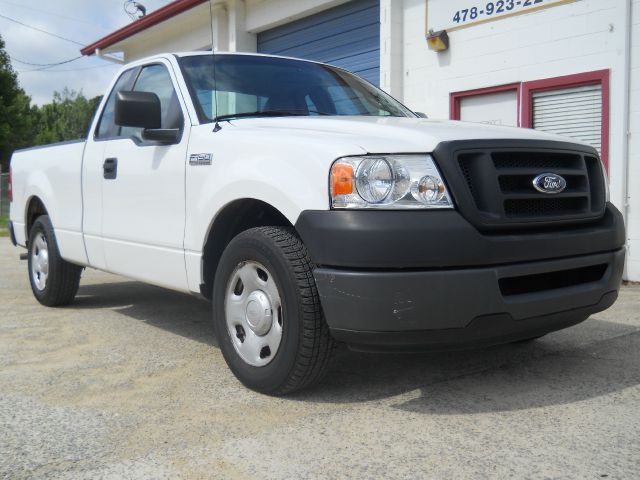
[{"x": 129, "y": 383}]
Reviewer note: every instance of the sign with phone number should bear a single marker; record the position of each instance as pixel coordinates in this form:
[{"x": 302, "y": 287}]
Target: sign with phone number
[{"x": 455, "y": 14}]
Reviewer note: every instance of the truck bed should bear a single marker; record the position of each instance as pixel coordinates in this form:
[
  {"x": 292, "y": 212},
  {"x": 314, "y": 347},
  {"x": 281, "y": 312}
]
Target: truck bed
[{"x": 52, "y": 174}]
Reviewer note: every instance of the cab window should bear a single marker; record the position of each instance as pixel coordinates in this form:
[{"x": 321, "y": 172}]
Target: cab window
[
  {"x": 156, "y": 79},
  {"x": 106, "y": 126}
]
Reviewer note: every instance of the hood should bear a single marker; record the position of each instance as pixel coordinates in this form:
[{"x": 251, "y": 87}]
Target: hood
[{"x": 387, "y": 134}]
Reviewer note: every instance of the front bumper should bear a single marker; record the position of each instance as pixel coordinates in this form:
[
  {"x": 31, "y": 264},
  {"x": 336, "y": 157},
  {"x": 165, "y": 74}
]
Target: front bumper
[
  {"x": 464, "y": 290},
  {"x": 461, "y": 308}
]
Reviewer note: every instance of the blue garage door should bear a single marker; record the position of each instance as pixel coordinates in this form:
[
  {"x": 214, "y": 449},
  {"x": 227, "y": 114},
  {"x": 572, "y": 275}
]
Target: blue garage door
[{"x": 347, "y": 36}]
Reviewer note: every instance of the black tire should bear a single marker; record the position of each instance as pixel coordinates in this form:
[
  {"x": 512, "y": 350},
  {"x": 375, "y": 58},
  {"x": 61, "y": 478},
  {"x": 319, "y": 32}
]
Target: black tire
[
  {"x": 531, "y": 339},
  {"x": 63, "y": 278},
  {"x": 306, "y": 347}
]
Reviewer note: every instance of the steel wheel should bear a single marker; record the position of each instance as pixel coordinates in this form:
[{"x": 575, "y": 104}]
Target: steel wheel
[
  {"x": 40, "y": 261},
  {"x": 254, "y": 313},
  {"x": 54, "y": 281},
  {"x": 267, "y": 315}
]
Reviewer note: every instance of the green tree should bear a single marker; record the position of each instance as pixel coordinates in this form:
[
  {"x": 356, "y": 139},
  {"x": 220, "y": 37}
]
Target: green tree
[
  {"x": 68, "y": 117},
  {"x": 15, "y": 111}
]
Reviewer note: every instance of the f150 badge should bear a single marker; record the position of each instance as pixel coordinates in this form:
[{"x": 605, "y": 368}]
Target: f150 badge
[
  {"x": 198, "y": 159},
  {"x": 549, "y": 183}
]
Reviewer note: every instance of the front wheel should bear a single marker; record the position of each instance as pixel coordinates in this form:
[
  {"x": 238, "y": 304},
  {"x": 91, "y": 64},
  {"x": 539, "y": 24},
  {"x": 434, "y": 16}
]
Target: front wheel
[
  {"x": 54, "y": 281},
  {"x": 267, "y": 314}
]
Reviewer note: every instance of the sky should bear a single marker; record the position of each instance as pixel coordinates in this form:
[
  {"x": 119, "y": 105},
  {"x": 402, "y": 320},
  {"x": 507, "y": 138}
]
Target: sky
[{"x": 82, "y": 21}]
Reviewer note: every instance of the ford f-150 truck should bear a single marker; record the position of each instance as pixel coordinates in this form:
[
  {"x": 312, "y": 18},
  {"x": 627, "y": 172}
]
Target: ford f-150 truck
[{"x": 312, "y": 208}]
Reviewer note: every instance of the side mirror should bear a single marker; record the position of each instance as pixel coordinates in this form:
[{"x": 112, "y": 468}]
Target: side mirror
[
  {"x": 421, "y": 115},
  {"x": 138, "y": 109},
  {"x": 143, "y": 110}
]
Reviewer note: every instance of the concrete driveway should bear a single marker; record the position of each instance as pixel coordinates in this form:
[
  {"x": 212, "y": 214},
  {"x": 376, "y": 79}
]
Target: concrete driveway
[{"x": 129, "y": 383}]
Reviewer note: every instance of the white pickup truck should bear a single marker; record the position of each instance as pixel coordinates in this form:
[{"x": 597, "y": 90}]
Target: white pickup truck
[{"x": 313, "y": 208}]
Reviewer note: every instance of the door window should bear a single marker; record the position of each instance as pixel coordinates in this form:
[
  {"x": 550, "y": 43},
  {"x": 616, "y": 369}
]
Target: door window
[
  {"x": 156, "y": 79},
  {"x": 106, "y": 126}
]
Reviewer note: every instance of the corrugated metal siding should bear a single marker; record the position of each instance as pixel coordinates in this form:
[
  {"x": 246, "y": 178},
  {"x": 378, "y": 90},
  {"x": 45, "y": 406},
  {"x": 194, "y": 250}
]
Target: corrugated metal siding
[
  {"x": 347, "y": 36},
  {"x": 574, "y": 112}
]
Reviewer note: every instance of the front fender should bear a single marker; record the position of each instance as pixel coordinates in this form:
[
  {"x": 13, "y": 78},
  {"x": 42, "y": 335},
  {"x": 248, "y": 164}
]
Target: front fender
[
  {"x": 289, "y": 203},
  {"x": 291, "y": 176}
]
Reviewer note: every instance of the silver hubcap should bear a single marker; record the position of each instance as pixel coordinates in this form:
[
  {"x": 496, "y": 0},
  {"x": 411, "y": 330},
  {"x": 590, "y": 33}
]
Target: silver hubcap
[
  {"x": 40, "y": 261},
  {"x": 254, "y": 313}
]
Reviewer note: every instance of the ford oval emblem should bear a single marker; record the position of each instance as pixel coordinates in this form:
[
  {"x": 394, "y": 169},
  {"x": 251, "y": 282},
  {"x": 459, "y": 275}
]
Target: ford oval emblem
[{"x": 549, "y": 183}]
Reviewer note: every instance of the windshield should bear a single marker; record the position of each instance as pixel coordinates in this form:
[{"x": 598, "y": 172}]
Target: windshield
[{"x": 256, "y": 86}]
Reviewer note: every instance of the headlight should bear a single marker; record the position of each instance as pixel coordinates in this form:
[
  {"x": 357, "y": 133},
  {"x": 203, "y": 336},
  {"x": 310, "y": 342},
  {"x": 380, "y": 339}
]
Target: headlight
[{"x": 388, "y": 182}]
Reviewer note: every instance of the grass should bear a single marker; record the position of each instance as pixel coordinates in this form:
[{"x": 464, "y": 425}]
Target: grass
[{"x": 4, "y": 229}]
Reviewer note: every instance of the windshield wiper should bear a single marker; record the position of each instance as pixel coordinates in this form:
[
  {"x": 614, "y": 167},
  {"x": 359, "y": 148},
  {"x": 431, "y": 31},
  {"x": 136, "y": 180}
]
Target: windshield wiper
[{"x": 270, "y": 113}]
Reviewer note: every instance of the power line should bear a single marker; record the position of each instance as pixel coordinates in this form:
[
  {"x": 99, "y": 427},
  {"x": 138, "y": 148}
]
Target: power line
[
  {"x": 69, "y": 69},
  {"x": 41, "y": 30},
  {"x": 47, "y": 12},
  {"x": 45, "y": 64}
]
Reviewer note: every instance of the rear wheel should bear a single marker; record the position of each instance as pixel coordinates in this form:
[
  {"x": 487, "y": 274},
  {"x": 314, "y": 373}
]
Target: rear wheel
[
  {"x": 267, "y": 313},
  {"x": 53, "y": 280}
]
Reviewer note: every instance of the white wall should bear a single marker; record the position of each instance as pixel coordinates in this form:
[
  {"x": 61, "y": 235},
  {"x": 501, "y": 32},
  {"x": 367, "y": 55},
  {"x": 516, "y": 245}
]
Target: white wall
[
  {"x": 188, "y": 31},
  {"x": 579, "y": 37},
  {"x": 235, "y": 26},
  {"x": 266, "y": 14},
  {"x": 391, "y": 47}
]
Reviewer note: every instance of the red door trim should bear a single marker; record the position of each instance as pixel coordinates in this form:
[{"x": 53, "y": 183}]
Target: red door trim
[
  {"x": 455, "y": 97},
  {"x": 599, "y": 77}
]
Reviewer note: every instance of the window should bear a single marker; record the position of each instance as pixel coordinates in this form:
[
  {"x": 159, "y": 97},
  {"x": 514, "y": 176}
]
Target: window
[
  {"x": 255, "y": 86},
  {"x": 494, "y": 105},
  {"x": 576, "y": 112},
  {"x": 106, "y": 126},
  {"x": 352, "y": 102},
  {"x": 576, "y": 106},
  {"x": 156, "y": 79}
]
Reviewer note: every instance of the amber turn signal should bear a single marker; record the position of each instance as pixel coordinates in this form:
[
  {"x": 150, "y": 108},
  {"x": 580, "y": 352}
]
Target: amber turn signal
[{"x": 341, "y": 179}]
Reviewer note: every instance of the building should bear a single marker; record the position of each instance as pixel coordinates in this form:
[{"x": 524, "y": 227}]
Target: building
[{"x": 565, "y": 66}]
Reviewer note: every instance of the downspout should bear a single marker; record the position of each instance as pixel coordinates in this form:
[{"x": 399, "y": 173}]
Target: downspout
[
  {"x": 220, "y": 26},
  {"x": 626, "y": 121}
]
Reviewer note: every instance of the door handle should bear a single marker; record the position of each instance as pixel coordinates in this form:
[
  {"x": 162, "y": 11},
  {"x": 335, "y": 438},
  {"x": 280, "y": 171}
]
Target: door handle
[{"x": 110, "y": 168}]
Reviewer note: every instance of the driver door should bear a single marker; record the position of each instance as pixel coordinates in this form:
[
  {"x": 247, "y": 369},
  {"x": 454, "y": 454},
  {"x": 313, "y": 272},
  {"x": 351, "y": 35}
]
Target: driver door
[{"x": 143, "y": 192}]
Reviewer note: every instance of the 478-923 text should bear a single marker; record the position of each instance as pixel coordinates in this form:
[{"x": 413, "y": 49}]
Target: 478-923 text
[{"x": 492, "y": 8}]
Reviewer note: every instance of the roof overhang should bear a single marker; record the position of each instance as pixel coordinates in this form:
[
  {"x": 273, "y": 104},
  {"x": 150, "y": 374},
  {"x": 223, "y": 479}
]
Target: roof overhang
[{"x": 158, "y": 16}]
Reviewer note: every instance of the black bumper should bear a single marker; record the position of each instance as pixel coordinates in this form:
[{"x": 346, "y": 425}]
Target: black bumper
[
  {"x": 442, "y": 239},
  {"x": 429, "y": 279}
]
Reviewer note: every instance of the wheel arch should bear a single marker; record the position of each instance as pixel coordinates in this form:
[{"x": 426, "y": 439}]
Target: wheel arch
[
  {"x": 35, "y": 208},
  {"x": 234, "y": 218}
]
